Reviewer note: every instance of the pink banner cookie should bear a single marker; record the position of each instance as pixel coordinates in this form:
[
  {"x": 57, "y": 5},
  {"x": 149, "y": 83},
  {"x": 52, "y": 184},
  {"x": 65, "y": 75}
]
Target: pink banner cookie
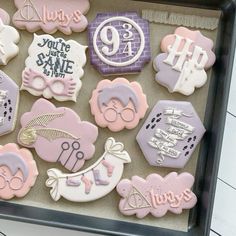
[
  {"x": 118, "y": 104},
  {"x": 156, "y": 195},
  {"x": 4, "y": 16},
  {"x": 58, "y": 135},
  {"x": 18, "y": 171},
  {"x": 50, "y": 16},
  {"x": 187, "y": 55}
]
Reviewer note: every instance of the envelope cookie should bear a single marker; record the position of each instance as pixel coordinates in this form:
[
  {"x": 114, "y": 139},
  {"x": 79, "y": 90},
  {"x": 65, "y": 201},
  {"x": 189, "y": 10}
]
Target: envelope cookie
[
  {"x": 54, "y": 68},
  {"x": 65, "y": 16},
  {"x": 156, "y": 195},
  {"x": 58, "y": 135},
  {"x": 186, "y": 57},
  {"x": 170, "y": 134},
  {"x": 118, "y": 104},
  {"x": 18, "y": 171},
  {"x": 9, "y": 101},
  {"x": 119, "y": 43},
  {"x": 93, "y": 183}
]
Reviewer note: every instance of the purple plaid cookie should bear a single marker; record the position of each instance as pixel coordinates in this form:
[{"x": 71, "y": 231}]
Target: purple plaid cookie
[{"x": 119, "y": 43}]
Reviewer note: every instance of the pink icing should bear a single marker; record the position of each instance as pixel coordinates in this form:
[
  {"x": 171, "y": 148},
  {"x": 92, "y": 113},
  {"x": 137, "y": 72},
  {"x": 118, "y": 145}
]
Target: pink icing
[
  {"x": 50, "y": 16},
  {"x": 199, "y": 40},
  {"x": 4, "y": 16},
  {"x": 156, "y": 195},
  {"x": 82, "y": 136},
  {"x": 29, "y": 180},
  {"x": 114, "y": 113}
]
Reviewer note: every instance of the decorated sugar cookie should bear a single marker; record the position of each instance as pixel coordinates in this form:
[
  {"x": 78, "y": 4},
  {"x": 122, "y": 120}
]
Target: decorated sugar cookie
[
  {"x": 186, "y": 56},
  {"x": 18, "y": 171},
  {"x": 4, "y": 16},
  {"x": 50, "y": 16},
  {"x": 170, "y": 134},
  {"x": 58, "y": 135},
  {"x": 156, "y": 195},
  {"x": 54, "y": 68},
  {"x": 9, "y": 38},
  {"x": 94, "y": 182},
  {"x": 119, "y": 43},
  {"x": 118, "y": 104},
  {"x": 9, "y": 99}
]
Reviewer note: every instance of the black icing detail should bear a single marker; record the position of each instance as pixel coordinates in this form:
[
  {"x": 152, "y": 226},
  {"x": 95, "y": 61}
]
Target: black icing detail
[
  {"x": 9, "y": 101},
  {"x": 153, "y": 119},
  {"x": 189, "y": 139},
  {"x": 185, "y": 148},
  {"x": 158, "y": 120},
  {"x": 192, "y": 145},
  {"x": 10, "y": 109},
  {"x": 5, "y": 105},
  {"x": 147, "y": 127},
  {"x": 194, "y": 138},
  {"x": 159, "y": 114},
  {"x": 5, "y": 113},
  {"x": 153, "y": 126},
  {"x": 186, "y": 153},
  {"x": 9, "y": 118}
]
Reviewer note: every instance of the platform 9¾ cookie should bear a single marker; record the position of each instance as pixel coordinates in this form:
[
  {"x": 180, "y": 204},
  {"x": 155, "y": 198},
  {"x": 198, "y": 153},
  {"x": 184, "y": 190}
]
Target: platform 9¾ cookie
[
  {"x": 54, "y": 68},
  {"x": 58, "y": 135},
  {"x": 66, "y": 16},
  {"x": 186, "y": 56},
  {"x": 156, "y": 195},
  {"x": 170, "y": 134},
  {"x": 9, "y": 100},
  {"x": 119, "y": 43},
  {"x": 118, "y": 104},
  {"x": 18, "y": 171}
]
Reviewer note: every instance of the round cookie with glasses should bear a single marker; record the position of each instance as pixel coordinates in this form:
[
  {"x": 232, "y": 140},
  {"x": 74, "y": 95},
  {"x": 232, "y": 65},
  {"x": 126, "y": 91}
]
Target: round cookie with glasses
[
  {"x": 118, "y": 104},
  {"x": 18, "y": 171}
]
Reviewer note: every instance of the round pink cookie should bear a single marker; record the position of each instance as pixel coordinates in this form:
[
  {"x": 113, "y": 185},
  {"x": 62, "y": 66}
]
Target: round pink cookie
[
  {"x": 4, "y": 16},
  {"x": 18, "y": 171},
  {"x": 118, "y": 104},
  {"x": 156, "y": 195},
  {"x": 58, "y": 135}
]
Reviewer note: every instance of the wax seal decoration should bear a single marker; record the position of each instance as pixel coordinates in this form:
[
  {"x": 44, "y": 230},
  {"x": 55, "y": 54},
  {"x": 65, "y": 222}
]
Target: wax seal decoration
[
  {"x": 9, "y": 99},
  {"x": 50, "y": 16},
  {"x": 119, "y": 43},
  {"x": 156, "y": 195},
  {"x": 186, "y": 57},
  {"x": 94, "y": 182},
  {"x": 18, "y": 171},
  {"x": 4, "y": 16},
  {"x": 54, "y": 68},
  {"x": 118, "y": 104},
  {"x": 58, "y": 135},
  {"x": 9, "y": 37},
  {"x": 170, "y": 134}
]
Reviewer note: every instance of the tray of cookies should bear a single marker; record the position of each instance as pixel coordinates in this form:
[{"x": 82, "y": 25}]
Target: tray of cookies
[{"x": 112, "y": 113}]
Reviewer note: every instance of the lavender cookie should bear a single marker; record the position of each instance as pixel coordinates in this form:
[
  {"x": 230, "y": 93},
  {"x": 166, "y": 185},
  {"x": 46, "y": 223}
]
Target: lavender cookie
[
  {"x": 119, "y": 43},
  {"x": 170, "y": 134},
  {"x": 9, "y": 96}
]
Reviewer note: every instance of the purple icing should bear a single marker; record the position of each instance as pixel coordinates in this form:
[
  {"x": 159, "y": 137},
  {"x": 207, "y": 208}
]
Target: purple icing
[
  {"x": 119, "y": 56},
  {"x": 121, "y": 92},
  {"x": 8, "y": 104},
  {"x": 157, "y": 119},
  {"x": 165, "y": 76},
  {"x": 14, "y": 163}
]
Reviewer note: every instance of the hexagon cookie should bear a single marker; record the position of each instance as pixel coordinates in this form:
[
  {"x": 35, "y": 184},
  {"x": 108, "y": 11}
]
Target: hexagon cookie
[
  {"x": 170, "y": 134},
  {"x": 9, "y": 98},
  {"x": 119, "y": 43}
]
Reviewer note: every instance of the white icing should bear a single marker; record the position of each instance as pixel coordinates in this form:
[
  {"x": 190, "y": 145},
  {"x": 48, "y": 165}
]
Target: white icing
[
  {"x": 114, "y": 41},
  {"x": 114, "y": 153},
  {"x": 76, "y": 54},
  {"x": 165, "y": 141},
  {"x": 9, "y": 37},
  {"x": 126, "y": 36},
  {"x": 190, "y": 65},
  {"x": 2, "y": 121}
]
